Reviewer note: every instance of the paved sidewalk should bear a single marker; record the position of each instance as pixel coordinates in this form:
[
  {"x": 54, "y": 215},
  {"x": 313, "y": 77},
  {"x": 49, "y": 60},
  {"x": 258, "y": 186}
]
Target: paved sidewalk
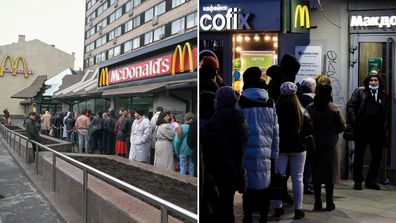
[
  {"x": 20, "y": 201},
  {"x": 352, "y": 206}
]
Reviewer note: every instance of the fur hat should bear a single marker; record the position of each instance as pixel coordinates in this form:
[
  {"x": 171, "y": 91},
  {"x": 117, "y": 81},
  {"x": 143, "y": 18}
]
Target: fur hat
[
  {"x": 288, "y": 88},
  {"x": 225, "y": 97}
]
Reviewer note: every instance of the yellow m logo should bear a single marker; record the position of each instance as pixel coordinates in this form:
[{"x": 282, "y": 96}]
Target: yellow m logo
[
  {"x": 14, "y": 65},
  {"x": 304, "y": 17},
  {"x": 104, "y": 77},
  {"x": 180, "y": 54}
]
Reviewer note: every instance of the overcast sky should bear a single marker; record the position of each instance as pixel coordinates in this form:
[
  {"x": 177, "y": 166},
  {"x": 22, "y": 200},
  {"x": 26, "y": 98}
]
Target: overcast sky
[{"x": 55, "y": 22}]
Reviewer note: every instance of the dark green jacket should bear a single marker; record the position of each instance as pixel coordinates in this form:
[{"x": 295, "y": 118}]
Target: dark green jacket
[{"x": 31, "y": 130}]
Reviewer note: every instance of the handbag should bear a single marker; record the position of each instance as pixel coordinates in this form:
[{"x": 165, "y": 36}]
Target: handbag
[
  {"x": 242, "y": 181},
  {"x": 278, "y": 186},
  {"x": 348, "y": 134},
  {"x": 309, "y": 142}
]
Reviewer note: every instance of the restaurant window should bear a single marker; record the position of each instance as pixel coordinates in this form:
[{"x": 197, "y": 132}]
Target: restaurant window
[
  {"x": 191, "y": 20},
  {"x": 136, "y": 43},
  {"x": 253, "y": 49},
  {"x": 159, "y": 9},
  {"x": 148, "y": 15},
  {"x": 159, "y": 33},
  {"x": 176, "y": 3},
  {"x": 148, "y": 38},
  {"x": 177, "y": 25}
]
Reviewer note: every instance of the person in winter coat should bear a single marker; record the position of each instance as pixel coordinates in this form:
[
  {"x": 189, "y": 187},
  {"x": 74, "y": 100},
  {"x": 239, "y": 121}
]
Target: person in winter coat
[
  {"x": 262, "y": 145},
  {"x": 140, "y": 138},
  {"x": 164, "y": 145},
  {"x": 182, "y": 150},
  {"x": 46, "y": 123},
  {"x": 110, "y": 134},
  {"x": 120, "y": 130},
  {"x": 32, "y": 131},
  {"x": 96, "y": 131},
  {"x": 286, "y": 71},
  {"x": 328, "y": 123},
  {"x": 68, "y": 123},
  {"x": 366, "y": 114},
  {"x": 294, "y": 125},
  {"x": 223, "y": 141},
  {"x": 306, "y": 94}
]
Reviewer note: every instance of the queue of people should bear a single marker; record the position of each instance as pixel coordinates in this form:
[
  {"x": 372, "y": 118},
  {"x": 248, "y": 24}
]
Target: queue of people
[
  {"x": 292, "y": 129},
  {"x": 131, "y": 135}
]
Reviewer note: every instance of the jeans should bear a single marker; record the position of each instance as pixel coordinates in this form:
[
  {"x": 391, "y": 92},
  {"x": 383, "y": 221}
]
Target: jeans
[
  {"x": 297, "y": 161},
  {"x": 186, "y": 165},
  {"x": 83, "y": 137}
]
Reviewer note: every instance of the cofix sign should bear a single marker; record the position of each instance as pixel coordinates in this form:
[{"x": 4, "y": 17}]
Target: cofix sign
[
  {"x": 181, "y": 60},
  {"x": 218, "y": 18}
]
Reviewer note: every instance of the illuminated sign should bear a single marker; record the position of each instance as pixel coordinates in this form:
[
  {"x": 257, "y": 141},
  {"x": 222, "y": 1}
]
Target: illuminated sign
[
  {"x": 366, "y": 21},
  {"x": 302, "y": 12},
  {"x": 182, "y": 56},
  {"x": 159, "y": 66},
  {"x": 14, "y": 66},
  {"x": 232, "y": 20}
]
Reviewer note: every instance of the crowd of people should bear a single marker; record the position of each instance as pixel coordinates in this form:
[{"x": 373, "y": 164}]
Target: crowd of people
[
  {"x": 279, "y": 127},
  {"x": 128, "y": 134}
]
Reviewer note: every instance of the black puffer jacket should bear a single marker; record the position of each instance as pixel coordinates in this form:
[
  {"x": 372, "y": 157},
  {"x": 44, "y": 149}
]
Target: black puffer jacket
[
  {"x": 357, "y": 102},
  {"x": 223, "y": 141}
]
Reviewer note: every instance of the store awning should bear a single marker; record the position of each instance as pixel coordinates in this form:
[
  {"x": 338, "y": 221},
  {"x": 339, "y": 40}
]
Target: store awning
[
  {"x": 33, "y": 89},
  {"x": 147, "y": 87},
  {"x": 26, "y": 102}
]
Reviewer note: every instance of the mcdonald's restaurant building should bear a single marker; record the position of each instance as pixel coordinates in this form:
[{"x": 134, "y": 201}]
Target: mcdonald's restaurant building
[
  {"x": 163, "y": 74},
  {"x": 241, "y": 34},
  {"x": 24, "y": 68}
]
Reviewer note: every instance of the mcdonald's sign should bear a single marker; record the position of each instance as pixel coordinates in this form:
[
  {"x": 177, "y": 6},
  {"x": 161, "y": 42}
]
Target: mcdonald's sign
[
  {"x": 302, "y": 12},
  {"x": 104, "y": 77},
  {"x": 183, "y": 59},
  {"x": 14, "y": 66},
  {"x": 182, "y": 56},
  {"x": 296, "y": 16}
]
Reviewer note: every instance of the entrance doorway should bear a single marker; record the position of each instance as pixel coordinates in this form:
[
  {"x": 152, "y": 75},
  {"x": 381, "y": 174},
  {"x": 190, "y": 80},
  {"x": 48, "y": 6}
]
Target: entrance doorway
[{"x": 377, "y": 52}]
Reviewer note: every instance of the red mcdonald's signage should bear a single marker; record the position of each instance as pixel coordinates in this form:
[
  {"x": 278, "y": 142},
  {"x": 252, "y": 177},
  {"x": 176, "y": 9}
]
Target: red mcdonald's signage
[{"x": 183, "y": 59}]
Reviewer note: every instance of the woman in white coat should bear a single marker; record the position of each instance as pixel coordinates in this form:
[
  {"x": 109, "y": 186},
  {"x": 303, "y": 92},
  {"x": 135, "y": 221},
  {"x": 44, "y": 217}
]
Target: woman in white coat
[
  {"x": 164, "y": 145},
  {"x": 140, "y": 138}
]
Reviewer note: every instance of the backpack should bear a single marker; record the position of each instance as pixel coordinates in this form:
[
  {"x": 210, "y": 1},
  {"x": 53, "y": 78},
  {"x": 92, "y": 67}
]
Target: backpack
[{"x": 96, "y": 126}]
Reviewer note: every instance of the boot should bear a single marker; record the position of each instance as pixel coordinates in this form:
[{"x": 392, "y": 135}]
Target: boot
[
  {"x": 329, "y": 197},
  {"x": 298, "y": 214},
  {"x": 318, "y": 200}
]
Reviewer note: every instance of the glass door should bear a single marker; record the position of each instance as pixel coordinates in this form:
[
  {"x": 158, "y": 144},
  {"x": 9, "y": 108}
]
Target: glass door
[
  {"x": 376, "y": 52},
  {"x": 218, "y": 46}
]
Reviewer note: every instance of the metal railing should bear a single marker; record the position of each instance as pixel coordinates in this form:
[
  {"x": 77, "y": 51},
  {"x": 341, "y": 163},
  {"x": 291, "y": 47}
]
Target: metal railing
[{"x": 164, "y": 205}]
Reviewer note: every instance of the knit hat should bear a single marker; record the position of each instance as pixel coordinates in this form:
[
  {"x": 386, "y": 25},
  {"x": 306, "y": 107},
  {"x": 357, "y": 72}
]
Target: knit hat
[
  {"x": 251, "y": 78},
  {"x": 288, "y": 88},
  {"x": 225, "y": 97},
  {"x": 209, "y": 61},
  {"x": 308, "y": 84}
]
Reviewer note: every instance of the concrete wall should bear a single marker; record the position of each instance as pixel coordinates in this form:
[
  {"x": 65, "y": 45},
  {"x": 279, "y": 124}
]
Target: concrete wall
[{"x": 40, "y": 57}]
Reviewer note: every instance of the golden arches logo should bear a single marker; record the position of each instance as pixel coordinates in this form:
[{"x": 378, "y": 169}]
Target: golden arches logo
[
  {"x": 104, "y": 77},
  {"x": 304, "y": 16},
  {"x": 180, "y": 55},
  {"x": 14, "y": 64}
]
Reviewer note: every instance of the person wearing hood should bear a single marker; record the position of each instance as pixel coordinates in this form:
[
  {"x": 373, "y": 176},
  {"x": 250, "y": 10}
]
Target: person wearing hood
[
  {"x": 223, "y": 140},
  {"x": 366, "y": 115},
  {"x": 286, "y": 71},
  {"x": 263, "y": 143}
]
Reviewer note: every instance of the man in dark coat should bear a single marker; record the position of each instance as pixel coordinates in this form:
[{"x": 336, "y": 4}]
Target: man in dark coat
[
  {"x": 32, "y": 131},
  {"x": 110, "y": 135},
  {"x": 223, "y": 141},
  {"x": 366, "y": 114}
]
